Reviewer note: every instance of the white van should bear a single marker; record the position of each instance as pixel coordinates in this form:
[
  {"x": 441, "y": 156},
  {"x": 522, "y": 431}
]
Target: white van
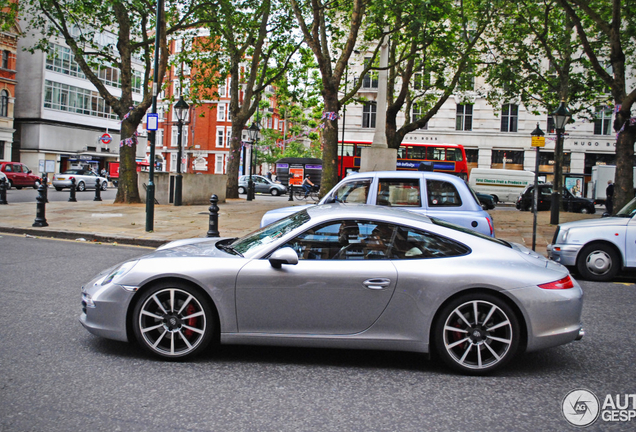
[{"x": 503, "y": 185}]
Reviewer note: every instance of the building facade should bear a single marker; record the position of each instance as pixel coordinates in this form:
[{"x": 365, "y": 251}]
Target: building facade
[
  {"x": 60, "y": 116},
  {"x": 8, "y": 49}
]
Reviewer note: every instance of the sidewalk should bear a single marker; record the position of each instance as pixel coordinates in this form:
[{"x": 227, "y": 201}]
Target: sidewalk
[{"x": 126, "y": 224}]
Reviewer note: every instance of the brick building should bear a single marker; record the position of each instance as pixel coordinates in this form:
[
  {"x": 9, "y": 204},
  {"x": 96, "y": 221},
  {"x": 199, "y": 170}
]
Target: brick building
[{"x": 8, "y": 49}]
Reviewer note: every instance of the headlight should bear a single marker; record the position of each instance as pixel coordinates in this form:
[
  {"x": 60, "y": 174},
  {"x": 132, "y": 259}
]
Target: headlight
[
  {"x": 564, "y": 235},
  {"x": 119, "y": 272}
]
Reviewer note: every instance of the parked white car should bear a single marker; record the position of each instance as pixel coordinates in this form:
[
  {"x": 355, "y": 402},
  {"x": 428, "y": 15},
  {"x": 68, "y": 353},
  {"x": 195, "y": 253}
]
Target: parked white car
[
  {"x": 433, "y": 194},
  {"x": 598, "y": 248}
]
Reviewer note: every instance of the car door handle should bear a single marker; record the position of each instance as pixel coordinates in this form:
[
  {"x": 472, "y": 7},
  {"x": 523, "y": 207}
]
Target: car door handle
[{"x": 377, "y": 283}]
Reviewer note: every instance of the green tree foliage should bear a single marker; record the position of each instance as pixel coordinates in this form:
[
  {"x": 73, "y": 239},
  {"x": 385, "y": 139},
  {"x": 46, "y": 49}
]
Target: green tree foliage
[
  {"x": 252, "y": 43},
  {"x": 607, "y": 33},
  {"x": 83, "y": 25}
]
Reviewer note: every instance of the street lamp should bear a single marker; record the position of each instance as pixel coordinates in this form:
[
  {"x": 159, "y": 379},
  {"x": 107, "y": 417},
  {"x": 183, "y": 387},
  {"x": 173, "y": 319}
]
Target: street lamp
[
  {"x": 181, "y": 111},
  {"x": 538, "y": 141},
  {"x": 252, "y": 132},
  {"x": 560, "y": 117}
]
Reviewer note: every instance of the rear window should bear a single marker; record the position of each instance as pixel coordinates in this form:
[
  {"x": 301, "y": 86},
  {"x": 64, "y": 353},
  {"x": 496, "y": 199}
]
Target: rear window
[{"x": 442, "y": 194}]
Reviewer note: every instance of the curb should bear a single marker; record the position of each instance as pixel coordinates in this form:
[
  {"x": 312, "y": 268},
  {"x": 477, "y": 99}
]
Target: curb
[{"x": 67, "y": 235}]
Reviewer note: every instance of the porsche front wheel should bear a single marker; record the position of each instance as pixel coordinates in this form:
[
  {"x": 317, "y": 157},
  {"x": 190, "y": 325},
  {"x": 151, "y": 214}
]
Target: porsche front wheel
[{"x": 173, "y": 321}]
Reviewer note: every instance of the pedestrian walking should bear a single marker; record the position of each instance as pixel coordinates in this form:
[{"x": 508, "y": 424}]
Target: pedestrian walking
[{"x": 609, "y": 197}]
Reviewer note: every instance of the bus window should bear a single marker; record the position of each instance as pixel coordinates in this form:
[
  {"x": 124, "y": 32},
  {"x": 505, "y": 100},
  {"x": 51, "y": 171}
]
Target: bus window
[
  {"x": 347, "y": 150},
  {"x": 401, "y": 154},
  {"x": 437, "y": 153},
  {"x": 359, "y": 149},
  {"x": 417, "y": 152},
  {"x": 454, "y": 154}
]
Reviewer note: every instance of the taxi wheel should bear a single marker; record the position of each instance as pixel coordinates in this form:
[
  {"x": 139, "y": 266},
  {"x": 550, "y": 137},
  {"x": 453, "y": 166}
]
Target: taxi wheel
[{"x": 598, "y": 262}]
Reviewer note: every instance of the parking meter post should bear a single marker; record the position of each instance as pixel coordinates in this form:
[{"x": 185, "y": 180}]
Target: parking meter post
[
  {"x": 40, "y": 219},
  {"x": 46, "y": 188},
  {"x": 98, "y": 191},
  {"x": 213, "y": 230},
  {"x": 72, "y": 195},
  {"x": 3, "y": 191}
]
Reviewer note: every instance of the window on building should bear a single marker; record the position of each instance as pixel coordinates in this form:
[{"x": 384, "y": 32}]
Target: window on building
[
  {"x": 369, "y": 110},
  {"x": 77, "y": 100},
  {"x": 218, "y": 164},
  {"x": 5, "y": 59},
  {"x": 472, "y": 155},
  {"x": 173, "y": 162},
  {"x": 4, "y": 103},
  {"x": 418, "y": 113},
  {"x": 220, "y": 134},
  {"x": 220, "y": 112},
  {"x": 1, "y": 150},
  {"x": 422, "y": 76},
  {"x": 228, "y": 136},
  {"x": 464, "y": 119},
  {"x": 509, "y": 117},
  {"x": 550, "y": 127},
  {"x": 603, "y": 121},
  {"x": 370, "y": 80},
  {"x": 507, "y": 159},
  {"x": 159, "y": 137}
]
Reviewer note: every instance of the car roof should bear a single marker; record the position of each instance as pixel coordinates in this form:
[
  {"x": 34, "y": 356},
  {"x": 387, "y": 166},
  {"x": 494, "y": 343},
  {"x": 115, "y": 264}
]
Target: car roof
[
  {"x": 406, "y": 174},
  {"x": 354, "y": 211}
]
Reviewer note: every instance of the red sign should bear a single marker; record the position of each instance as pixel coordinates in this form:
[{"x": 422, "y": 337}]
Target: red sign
[{"x": 106, "y": 138}]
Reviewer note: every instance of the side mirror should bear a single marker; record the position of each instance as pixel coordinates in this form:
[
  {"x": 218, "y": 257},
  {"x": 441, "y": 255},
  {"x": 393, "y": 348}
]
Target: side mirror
[{"x": 282, "y": 256}]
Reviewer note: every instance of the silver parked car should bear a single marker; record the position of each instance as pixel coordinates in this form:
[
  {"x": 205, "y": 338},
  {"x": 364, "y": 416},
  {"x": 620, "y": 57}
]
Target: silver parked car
[
  {"x": 597, "y": 248},
  {"x": 261, "y": 185},
  {"x": 84, "y": 179},
  {"x": 439, "y": 195},
  {"x": 342, "y": 276}
]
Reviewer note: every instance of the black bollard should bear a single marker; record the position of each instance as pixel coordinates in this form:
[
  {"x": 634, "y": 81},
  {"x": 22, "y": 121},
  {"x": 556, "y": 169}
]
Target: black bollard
[
  {"x": 214, "y": 217},
  {"x": 72, "y": 196},
  {"x": 98, "y": 191},
  {"x": 46, "y": 188},
  {"x": 290, "y": 191},
  {"x": 40, "y": 219},
  {"x": 3, "y": 191}
]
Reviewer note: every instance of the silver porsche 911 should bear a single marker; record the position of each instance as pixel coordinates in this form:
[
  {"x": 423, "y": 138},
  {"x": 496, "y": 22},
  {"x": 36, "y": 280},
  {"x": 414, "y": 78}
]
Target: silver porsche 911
[{"x": 344, "y": 276}]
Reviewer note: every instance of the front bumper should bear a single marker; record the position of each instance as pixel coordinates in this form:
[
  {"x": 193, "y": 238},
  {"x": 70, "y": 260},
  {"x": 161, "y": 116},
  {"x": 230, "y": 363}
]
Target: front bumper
[
  {"x": 104, "y": 309},
  {"x": 564, "y": 254}
]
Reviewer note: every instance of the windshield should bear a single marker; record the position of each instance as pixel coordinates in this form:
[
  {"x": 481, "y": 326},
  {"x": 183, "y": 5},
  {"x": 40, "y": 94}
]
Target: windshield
[
  {"x": 629, "y": 210},
  {"x": 468, "y": 231},
  {"x": 270, "y": 233}
]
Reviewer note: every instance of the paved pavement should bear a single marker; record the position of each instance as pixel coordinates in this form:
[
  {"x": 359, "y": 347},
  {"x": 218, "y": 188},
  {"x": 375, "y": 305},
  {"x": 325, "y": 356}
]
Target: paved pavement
[{"x": 107, "y": 222}]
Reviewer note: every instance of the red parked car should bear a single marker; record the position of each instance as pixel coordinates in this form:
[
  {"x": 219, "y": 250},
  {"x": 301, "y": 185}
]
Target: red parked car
[{"x": 19, "y": 175}]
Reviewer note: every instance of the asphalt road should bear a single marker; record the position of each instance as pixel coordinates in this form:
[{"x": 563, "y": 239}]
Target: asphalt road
[{"x": 55, "y": 376}]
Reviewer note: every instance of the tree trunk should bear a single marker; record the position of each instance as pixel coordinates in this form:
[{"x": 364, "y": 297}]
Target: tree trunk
[
  {"x": 127, "y": 190},
  {"x": 624, "y": 179},
  {"x": 330, "y": 147}
]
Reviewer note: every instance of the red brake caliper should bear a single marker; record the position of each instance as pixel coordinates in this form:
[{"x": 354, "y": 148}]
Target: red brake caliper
[{"x": 191, "y": 321}]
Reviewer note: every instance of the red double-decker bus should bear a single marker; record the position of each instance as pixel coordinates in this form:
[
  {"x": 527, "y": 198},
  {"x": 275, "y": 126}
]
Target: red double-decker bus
[{"x": 448, "y": 158}]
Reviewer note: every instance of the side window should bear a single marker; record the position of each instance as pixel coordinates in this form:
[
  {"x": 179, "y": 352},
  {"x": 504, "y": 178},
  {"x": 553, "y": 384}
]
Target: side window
[
  {"x": 415, "y": 244},
  {"x": 8, "y": 168},
  {"x": 345, "y": 240},
  {"x": 356, "y": 191},
  {"x": 399, "y": 193},
  {"x": 442, "y": 194},
  {"x": 546, "y": 190}
]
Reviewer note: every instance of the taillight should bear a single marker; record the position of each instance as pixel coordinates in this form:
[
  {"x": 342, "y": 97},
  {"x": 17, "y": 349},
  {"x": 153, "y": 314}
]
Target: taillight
[
  {"x": 489, "y": 225},
  {"x": 564, "y": 283}
]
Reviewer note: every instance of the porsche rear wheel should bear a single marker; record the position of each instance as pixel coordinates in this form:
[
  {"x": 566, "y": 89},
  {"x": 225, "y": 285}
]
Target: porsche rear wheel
[
  {"x": 477, "y": 334},
  {"x": 173, "y": 321}
]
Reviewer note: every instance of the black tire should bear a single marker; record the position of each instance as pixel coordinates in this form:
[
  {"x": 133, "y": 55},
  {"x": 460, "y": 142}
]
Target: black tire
[
  {"x": 598, "y": 262},
  {"x": 59, "y": 189},
  {"x": 81, "y": 187},
  {"x": 241, "y": 190},
  {"x": 473, "y": 349},
  {"x": 275, "y": 192},
  {"x": 167, "y": 330},
  {"x": 105, "y": 186}
]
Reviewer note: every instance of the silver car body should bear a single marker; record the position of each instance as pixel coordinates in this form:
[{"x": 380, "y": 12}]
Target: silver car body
[
  {"x": 466, "y": 211},
  {"x": 88, "y": 178},
  {"x": 332, "y": 303},
  {"x": 262, "y": 185}
]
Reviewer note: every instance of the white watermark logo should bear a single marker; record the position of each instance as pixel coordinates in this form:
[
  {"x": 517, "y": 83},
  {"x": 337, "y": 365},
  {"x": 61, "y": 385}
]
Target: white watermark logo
[{"x": 580, "y": 407}]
